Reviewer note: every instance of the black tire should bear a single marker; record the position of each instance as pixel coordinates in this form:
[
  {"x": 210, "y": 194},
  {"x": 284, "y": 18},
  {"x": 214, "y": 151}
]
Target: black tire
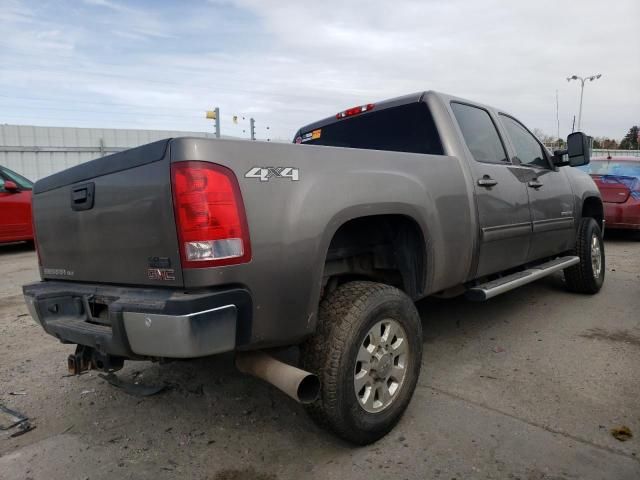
[
  {"x": 346, "y": 317},
  {"x": 581, "y": 278}
]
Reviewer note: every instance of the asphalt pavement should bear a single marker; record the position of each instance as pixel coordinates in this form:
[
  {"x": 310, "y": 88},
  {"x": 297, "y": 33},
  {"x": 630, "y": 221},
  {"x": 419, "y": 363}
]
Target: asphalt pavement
[{"x": 525, "y": 386}]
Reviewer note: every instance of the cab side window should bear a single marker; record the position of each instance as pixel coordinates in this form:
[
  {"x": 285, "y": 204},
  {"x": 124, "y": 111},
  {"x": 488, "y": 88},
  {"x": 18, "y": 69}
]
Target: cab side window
[
  {"x": 528, "y": 149},
  {"x": 479, "y": 133}
]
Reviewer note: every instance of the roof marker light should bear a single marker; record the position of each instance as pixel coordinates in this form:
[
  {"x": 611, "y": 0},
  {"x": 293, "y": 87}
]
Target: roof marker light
[{"x": 350, "y": 112}]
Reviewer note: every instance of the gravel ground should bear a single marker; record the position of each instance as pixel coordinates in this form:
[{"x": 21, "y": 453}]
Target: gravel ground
[{"x": 527, "y": 385}]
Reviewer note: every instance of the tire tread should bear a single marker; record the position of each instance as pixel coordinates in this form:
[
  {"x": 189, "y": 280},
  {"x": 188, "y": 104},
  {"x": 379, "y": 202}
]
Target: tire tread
[
  {"x": 579, "y": 278},
  {"x": 339, "y": 314}
]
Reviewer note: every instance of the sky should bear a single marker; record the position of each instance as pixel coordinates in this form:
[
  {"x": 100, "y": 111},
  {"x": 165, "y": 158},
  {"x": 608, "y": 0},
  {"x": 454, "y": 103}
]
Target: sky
[{"x": 161, "y": 64}]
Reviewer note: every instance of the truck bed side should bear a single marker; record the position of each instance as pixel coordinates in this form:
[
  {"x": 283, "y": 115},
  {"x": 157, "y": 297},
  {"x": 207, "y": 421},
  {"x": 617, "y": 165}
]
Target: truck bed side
[{"x": 291, "y": 222}]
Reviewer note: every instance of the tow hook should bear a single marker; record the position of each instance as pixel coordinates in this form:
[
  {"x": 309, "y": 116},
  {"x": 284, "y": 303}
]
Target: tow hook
[{"x": 87, "y": 358}]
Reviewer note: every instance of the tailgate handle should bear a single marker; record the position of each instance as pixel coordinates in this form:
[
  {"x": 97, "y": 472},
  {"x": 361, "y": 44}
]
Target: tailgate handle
[{"x": 82, "y": 196}]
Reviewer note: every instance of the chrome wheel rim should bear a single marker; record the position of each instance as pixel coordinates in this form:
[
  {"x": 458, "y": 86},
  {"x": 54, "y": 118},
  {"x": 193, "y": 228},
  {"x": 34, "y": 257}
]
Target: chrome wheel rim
[
  {"x": 381, "y": 366},
  {"x": 596, "y": 256}
]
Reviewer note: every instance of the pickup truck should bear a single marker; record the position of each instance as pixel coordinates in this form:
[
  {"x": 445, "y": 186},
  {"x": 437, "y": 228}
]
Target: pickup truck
[{"x": 191, "y": 247}]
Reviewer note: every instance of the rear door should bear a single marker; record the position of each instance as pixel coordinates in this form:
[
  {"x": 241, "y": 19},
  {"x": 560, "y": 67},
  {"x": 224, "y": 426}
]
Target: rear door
[
  {"x": 501, "y": 194},
  {"x": 15, "y": 208},
  {"x": 550, "y": 195}
]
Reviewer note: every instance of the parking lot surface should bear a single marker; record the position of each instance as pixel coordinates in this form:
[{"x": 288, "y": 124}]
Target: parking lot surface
[{"x": 527, "y": 385}]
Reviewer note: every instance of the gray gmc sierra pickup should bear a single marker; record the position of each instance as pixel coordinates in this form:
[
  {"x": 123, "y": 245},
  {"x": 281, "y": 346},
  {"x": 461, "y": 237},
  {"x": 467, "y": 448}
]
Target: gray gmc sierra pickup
[{"x": 190, "y": 247}]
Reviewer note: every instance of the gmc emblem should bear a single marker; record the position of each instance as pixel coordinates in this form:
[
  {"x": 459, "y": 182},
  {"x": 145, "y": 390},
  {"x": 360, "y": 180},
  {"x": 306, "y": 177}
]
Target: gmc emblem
[{"x": 167, "y": 274}]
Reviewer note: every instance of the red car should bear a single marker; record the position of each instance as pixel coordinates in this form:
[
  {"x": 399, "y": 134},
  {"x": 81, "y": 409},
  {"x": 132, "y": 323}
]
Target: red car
[
  {"x": 15, "y": 207},
  {"x": 619, "y": 182}
]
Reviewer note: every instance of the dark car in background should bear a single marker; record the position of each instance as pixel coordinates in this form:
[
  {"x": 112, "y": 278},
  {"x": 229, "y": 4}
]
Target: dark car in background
[
  {"x": 618, "y": 179},
  {"x": 15, "y": 207}
]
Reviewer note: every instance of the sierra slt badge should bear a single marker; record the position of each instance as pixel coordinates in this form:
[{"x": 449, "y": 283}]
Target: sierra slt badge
[
  {"x": 58, "y": 271},
  {"x": 265, "y": 173}
]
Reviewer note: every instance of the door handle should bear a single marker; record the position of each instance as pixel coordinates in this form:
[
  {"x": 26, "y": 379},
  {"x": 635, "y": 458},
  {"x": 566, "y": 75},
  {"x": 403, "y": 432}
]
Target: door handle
[
  {"x": 82, "y": 197},
  {"x": 534, "y": 184},
  {"x": 487, "y": 182}
]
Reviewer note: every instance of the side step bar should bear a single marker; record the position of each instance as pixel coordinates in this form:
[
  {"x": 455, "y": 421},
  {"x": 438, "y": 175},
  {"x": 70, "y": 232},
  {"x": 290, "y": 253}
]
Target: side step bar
[{"x": 488, "y": 290}]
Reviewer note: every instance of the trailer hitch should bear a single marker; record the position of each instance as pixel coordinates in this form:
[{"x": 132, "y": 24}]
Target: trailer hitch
[
  {"x": 81, "y": 361},
  {"x": 87, "y": 358}
]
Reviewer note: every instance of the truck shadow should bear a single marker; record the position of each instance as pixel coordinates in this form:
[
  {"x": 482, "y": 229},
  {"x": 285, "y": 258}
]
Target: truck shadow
[
  {"x": 448, "y": 319},
  {"x": 621, "y": 236},
  {"x": 18, "y": 247},
  {"x": 208, "y": 401}
]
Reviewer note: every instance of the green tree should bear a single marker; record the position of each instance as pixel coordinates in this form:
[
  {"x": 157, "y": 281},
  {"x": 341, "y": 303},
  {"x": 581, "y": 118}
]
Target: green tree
[
  {"x": 605, "y": 143},
  {"x": 630, "y": 140}
]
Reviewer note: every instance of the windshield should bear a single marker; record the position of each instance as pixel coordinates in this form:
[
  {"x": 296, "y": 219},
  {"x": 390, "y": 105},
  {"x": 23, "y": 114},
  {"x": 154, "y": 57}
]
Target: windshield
[
  {"x": 613, "y": 167},
  {"x": 14, "y": 177}
]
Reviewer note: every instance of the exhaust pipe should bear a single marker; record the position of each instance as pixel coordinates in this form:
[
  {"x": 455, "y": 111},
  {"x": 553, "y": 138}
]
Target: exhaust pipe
[{"x": 303, "y": 387}]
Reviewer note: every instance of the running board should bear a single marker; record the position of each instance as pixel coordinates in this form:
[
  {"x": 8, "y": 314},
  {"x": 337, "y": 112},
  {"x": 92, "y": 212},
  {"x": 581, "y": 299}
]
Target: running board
[{"x": 488, "y": 290}]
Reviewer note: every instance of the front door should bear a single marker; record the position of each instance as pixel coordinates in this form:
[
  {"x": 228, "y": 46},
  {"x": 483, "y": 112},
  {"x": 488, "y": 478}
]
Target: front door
[
  {"x": 501, "y": 195},
  {"x": 550, "y": 195}
]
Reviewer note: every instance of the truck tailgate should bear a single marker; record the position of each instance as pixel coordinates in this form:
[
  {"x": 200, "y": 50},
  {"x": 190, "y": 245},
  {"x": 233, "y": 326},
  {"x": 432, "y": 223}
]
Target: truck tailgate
[{"x": 110, "y": 220}]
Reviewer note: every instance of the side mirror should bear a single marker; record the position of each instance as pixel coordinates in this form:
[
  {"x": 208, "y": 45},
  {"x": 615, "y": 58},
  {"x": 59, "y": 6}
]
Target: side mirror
[
  {"x": 10, "y": 186},
  {"x": 578, "y": 151}
]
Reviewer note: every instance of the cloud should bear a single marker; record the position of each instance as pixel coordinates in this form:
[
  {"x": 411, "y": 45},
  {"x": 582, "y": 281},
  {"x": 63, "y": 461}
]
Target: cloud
[
  {"x": 288, "y": 63},
  {"x": 108, "y": 4}
]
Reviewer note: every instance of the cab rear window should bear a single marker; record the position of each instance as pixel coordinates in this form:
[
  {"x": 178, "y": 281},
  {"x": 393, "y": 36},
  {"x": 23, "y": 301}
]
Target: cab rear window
[{"x": 405, "y": 128}]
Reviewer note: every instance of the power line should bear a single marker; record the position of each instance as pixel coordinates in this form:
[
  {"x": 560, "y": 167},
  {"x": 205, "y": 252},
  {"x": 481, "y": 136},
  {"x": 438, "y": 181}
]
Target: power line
[
  {"x": 80, "y": 110},
  {"x": 85, "y": 102},
  {"x": 31, "y": 118}
]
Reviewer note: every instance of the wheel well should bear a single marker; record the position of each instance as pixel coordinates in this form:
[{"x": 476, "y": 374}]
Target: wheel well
[
  {"x": 385, "y": 248},
  {"x": 592, "y": 207}
]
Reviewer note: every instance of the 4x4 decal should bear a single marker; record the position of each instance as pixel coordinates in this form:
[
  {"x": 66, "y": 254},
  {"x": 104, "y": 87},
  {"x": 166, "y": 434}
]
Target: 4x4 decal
[{"x": 266, "y": 173}]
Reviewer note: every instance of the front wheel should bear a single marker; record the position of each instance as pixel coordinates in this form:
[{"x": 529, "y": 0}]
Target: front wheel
[
  {"x": 588, "y": 275},
  {"x": 367, "y": 352}
]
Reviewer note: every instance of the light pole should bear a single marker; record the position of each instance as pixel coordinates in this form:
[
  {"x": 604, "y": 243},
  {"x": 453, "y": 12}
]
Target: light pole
[{"x": 582, "y": 80}]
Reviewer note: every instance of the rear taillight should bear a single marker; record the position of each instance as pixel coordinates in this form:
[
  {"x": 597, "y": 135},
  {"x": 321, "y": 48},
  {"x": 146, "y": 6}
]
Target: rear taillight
[{"x": 210, "y": 217}]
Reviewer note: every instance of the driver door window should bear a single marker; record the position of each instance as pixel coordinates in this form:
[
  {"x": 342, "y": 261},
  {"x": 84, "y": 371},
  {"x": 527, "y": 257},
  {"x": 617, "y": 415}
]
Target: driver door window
[{"x": 529, "y": 152}]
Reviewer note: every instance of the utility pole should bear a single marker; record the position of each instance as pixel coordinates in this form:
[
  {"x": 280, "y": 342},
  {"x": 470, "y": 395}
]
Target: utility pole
[
  {"x": 582, "y": 80},
  {"x": 215, "y": 116},
  {"x": 217, "y": 122},
  {"x": 252, "y": 128},
  {"x": 557, "y": 118}
]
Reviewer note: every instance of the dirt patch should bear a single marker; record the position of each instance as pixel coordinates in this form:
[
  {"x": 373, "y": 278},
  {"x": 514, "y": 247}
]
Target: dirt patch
[
  {"x": 244, "y": 474},
  {"x": 622, "y": 433},
  {"x": 624, "y": 336},
  {"x": 12, "y": 301}
]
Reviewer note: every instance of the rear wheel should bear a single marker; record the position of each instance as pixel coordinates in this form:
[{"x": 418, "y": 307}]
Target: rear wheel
[
  {"x": 367, "y": 353},
  {"x": 588, "y": 275}
]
